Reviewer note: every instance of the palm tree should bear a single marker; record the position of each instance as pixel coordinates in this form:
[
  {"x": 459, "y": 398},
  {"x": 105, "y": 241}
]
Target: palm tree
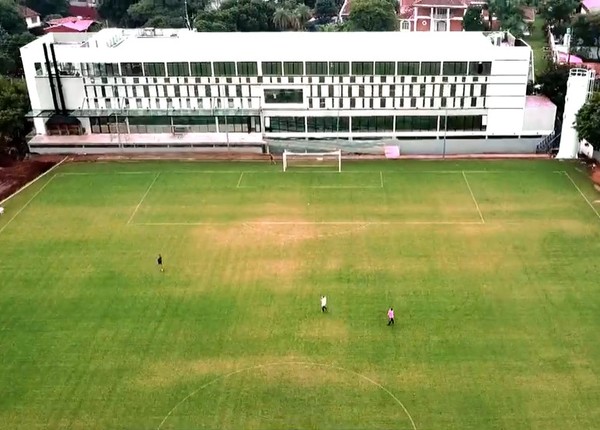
[
  {"x": 283, "y": 18},
  {"x": 301, "y": 16}
]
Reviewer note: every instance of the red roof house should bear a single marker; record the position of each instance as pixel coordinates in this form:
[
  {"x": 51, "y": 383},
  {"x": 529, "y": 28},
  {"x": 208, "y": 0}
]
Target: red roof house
[{"x": 70, "y": 24}]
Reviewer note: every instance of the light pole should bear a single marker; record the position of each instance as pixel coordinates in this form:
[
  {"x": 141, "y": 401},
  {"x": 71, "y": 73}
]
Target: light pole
[{"x": 445, "y": 132}]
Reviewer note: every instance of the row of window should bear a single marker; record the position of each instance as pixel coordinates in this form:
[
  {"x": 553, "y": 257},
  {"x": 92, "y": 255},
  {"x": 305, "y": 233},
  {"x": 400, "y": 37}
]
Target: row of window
[
  {"x": 278, "y": 68},
  {"x": 375, "y": 124},
  {"x": 183, "y": 124}
]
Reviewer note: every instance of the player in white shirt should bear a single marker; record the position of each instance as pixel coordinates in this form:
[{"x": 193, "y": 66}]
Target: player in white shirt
[
  {"x": 1, "y": 210},
  {"x": 323, "y": 304}
]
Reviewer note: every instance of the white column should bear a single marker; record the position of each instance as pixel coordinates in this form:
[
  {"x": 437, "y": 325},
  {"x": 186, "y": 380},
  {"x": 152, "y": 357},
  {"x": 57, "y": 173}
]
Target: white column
[
  {"x": 578, "y": 89},
  {"x": 431, "y": 23},
  {"x": 415, "y": 18}
]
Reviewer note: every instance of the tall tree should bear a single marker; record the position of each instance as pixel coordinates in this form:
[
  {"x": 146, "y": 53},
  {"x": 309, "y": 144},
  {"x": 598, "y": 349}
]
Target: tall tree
[
  {"x": 373, "y": 15},
  {"x": 115, "y": 11},
  {"x": 49, "y": 7},
  {"x": 14, "y": 104},
  {"x": 10, "y": 19},
  {"x": 249, "y": 15},
  {"x": 586, "y": 35},
  {"x": 301, "y": 14},
  {"x": 325, "y": 8},
  {"x": 553, "y": 84},
  {"x": 163, "y": 13},
  {"x": 283, "y": 18},
  {"x": 587, "y": 122},
  {"x": 473, "y": 21},
  {"x": 556, "y": 12}
]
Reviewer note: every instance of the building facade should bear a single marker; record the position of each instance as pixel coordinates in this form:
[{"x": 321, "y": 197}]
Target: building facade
[{"x": 176, "y": 88}]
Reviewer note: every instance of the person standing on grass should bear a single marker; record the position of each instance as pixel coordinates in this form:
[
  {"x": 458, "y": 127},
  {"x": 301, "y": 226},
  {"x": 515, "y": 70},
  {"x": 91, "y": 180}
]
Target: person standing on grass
[
  {"x": 323, "y": 304},
  {"x": 1, "y": 210},
  {"x": 159, "y": 261},
  {"x": 390, "y": 315},
  {"x": 272, "y": 159}
]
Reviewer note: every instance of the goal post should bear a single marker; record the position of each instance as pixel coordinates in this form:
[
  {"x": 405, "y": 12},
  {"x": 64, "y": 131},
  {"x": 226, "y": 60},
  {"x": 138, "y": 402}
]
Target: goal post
[{"x": 332, "y": 159}]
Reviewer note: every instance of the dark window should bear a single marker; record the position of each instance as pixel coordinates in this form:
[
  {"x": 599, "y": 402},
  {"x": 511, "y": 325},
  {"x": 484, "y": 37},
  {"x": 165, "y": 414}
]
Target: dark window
[
  {"x": 295, "y": 68},
  {"x": 408, "y": 68},
  {"x": 328, "y": 124},
  {"x": 178, "y": 69},
  {"x": 481, "y": 68},
  {"x": 128, "y": 69},
  {"x": 339, "y": 68},
  {"x": 284, "y": 96},
  {"x": 465, "y": 123},
  {"x": 39, "y": 71},
  {"x": 363, "y": 124},
  {"x": 385, "y": 68},
  {"x": 201, "y": 69},
  {"x": 416, "y": 123},
  {"x": 316, "y": 68},
  {"x": 154, "y": 69},
  {"x": 224, "y": 68},
  {"x": 271, "y": 68},
  {"x": 484, "y": 90},
  {"x": 362, "y": 68},
  {"x": 290, "y": 124},
  {"x": 455, "y": 68},
  {"x": 431, "y": 68},
  {"x": 247, "y": 69}
]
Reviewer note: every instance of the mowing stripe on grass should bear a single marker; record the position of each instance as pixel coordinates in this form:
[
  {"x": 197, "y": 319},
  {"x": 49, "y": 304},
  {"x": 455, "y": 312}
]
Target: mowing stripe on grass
[{"x": 309, "y": 223}]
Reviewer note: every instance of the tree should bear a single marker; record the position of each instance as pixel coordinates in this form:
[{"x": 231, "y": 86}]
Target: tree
[
  {"x": 586, "y": 35},
  {"x": 553, "y": 84},
  {"x": 373, "y": 15},
  {"x": 163, "y": 13},
  {"x": 558, "y": 12},
  {"x": 10, "y": 19},
  {"x": 587, "y": 121},
  {"x": 250, "y": 15},
  {"x": 49, "y": 7},
  {"x": 325, "y": 8},
  {"x": 283, "y": 18},
  {"x": 115, "y": 11},
  {"x": 472, "y": 21},
  {"x": 509, "y": 15},
  {"x": 14, "y": 105}
]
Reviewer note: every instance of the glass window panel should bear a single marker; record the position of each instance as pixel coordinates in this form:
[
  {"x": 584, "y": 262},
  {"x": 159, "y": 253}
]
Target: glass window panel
[
  {"x": 247, "y": 69},
  {"x": 319, "y": 68},
  {"x": 387, "y": 68},
  {"x": 431, "y": 68},
  {"x": 294, "y": 68},
  {"x": 480, "y": 68},
  {"x": 362, "y": 68},
  {"x": 408, "y": 68},
  {"x": 271, "y": 68},
  {"x": 339, "y": 68},
  {"x": 284, "y": 95},
  {"x": 201, "y": 69},
  {"x": 224, "y": 68},
  {"x": 455, "y": 68}
]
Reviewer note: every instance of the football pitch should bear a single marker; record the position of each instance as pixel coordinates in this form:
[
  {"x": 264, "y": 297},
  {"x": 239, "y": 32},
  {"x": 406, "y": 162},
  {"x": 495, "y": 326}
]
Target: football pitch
[{"x": 491, "y": 267}]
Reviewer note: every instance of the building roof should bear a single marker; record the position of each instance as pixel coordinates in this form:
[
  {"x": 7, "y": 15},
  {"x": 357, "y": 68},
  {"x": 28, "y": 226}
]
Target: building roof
[
  {"x": 442, "y": 3},
  {"x": 538, "y": 101},
  {"x": 591, "y": 5},
  {"x": 26, "y": 12},
  {"x": 80, "y": 25},
  {"x": 124, "y": 45}
]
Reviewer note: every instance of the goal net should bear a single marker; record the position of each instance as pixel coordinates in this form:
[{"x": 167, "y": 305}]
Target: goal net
[{"x": 332, "y": 160}]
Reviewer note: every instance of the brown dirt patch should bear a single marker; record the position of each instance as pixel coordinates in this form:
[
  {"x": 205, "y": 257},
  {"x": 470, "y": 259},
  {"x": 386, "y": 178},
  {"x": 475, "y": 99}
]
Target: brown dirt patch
[{"x": 15, "y": 175}]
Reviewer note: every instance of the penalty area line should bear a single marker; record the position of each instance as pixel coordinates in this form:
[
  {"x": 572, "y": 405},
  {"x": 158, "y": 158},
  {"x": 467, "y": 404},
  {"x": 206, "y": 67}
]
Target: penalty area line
[
  {"x": 304, "y": 223},
  {"x": 582, "y": 195},
  {"x": 473, "y": 197},
  {"x": 143, "y": 198}
]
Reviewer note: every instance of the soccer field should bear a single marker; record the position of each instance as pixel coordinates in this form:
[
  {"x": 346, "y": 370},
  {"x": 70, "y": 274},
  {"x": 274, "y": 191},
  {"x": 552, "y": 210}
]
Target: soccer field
[{"x": 491, "y": 267}]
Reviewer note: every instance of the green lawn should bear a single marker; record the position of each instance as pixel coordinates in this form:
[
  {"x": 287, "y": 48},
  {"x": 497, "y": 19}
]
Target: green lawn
[
  {"x": 538, "y": 42},
  {"x": 490, "y": 266}
]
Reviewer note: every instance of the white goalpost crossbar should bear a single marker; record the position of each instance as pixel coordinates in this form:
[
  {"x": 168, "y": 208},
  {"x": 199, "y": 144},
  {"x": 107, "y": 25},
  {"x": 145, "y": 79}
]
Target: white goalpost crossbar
[{"x": 312, "y": 159}]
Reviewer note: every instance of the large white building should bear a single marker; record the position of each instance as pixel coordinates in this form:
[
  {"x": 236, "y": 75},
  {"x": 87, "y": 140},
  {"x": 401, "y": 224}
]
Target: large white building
[{"x": 166, "y": 89}]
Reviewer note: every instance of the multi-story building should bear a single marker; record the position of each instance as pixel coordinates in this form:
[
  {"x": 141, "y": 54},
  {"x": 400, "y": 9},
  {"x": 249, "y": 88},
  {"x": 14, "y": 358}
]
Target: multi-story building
[{"x": 177, "y": 88}]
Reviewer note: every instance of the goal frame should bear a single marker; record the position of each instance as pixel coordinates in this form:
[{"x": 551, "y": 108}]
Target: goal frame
[{"x": 287, "y": 154}]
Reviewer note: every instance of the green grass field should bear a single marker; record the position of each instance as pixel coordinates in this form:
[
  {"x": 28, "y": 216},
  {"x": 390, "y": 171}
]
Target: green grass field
[{"x": 491, "y": 267}]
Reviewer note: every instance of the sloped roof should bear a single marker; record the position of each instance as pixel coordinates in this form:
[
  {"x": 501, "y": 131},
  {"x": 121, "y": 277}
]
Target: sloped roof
[
  {"x": 438, "y": 3},
  {"x": 591, "y": 4},
  {"x": 26, "y": 12},
  {"x": 79, "y": 25}
]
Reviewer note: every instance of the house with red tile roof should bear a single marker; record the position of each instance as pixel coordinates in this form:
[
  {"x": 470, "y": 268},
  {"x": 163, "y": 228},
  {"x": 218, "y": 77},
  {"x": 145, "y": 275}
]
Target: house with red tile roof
[
  {"x": 427, "y": 15},
  {"x": 590, "y": 6},
  {"x": 31, "y": 17},
  {"x": 71, "y": 24}
]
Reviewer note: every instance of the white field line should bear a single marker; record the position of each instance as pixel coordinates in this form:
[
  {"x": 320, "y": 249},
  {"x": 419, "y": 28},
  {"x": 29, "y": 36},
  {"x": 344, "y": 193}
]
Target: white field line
[
  {"x": 26, "y": 204},
  {"x": 381, "y": 178},
  {"x": 33, "y": 181},
  {"x": 308, "y": 223},
  {"x": 473, "y": 197},
  {"x": 143, "y": 198},
  {"x": 330, "y": 187},
  {"x": 239, "y": 182},
  {"x": 249, "y": 172},
  {"x": 583, "y": 195},
  {"x": 296, "y": 363}
]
